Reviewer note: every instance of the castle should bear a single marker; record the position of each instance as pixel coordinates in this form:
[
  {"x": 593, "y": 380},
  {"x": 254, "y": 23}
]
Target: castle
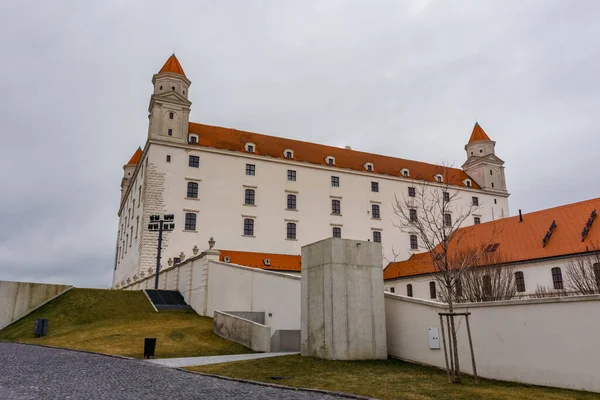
[{"x": 260, "y": 194}]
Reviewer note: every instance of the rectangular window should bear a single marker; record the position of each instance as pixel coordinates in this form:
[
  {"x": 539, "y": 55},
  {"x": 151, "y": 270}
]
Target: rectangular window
[
  {"x": 250, "y": 169},
  {"x": 291, "y": 201},
  {"x": 336, "y": 207},
  {"x": 495, "y": 201},
  {"x": 377, "y": 236},
  {"x": 170, "y": 115},
  {"x": 192, "y": 190},
  {"x": 520, "y": 281},
  {"x": 392, "y": 290},
  {"x": 412, "y": 192},
  {"x": 335, "y": 181},
  {"x": 249, "y": 197},
  {"x": 291, "y": 175},
  {"x": 557, "y": 278},
  {"x": 375, "y": 211},
  {"x": 374, "y": 186},
  {"x": 432, "y": 292},
  {"x": 131, "y": 237},
  {"x": 170, "y": 132},
  {"x": 137, "y": 226},
  {"x": 409, "y": 290},
  {"x": 413, "y": 215},
  {"x": 477, "y": 220},
  {"x": 168, "y": 158},
  {"x": 291, "y": 230},
  {"x": 248, "y": 227},
  {"x": 337, "y": 232},
  {"x": 190, "y": 222},
  {"x": 194, "y": 161},
  {"x": 448, "y": 220},
  {"x": 414, "y": 242},
  {"x": 475, "y": 201},
  {"x": 446, "y": 197}
]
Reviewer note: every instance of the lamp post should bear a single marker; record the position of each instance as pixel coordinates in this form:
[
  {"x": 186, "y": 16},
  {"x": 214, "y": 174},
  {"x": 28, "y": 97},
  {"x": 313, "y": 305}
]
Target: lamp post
[{"x": 160, "y": 225}]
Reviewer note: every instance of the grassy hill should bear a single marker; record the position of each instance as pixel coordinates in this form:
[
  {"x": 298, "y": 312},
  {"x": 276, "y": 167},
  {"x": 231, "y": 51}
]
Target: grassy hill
[{"x": 116, "y": 322}]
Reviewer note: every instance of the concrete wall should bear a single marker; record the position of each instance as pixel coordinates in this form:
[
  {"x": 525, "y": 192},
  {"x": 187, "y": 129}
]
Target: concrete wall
[
  {"x": 249, "y": 333},
  {"x": 551, "y": 342},
  {"x": 17, "y": 299},
  {"x": 343, "y": 315}
]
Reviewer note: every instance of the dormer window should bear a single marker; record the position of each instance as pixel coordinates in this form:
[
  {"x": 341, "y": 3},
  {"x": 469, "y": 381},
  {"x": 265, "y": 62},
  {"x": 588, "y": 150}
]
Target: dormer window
[
  {"x": 369, "y": 166},
  {"x": 250, "y": 147},
  {"x": 193, "y": 139},
  {"x": 439, "y": 178},
  {"x": 405, "y": 172},
  {"x": 287, "y": 153},
  {"x": 330, "y": 160}
]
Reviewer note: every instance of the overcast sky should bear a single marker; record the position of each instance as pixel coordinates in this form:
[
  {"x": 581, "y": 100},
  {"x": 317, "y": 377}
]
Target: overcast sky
[{"x": 405, "y": 79}]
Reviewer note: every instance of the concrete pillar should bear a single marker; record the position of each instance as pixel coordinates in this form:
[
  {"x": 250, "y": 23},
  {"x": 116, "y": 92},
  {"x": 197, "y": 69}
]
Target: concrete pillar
[{"x": 343, "y": 315}]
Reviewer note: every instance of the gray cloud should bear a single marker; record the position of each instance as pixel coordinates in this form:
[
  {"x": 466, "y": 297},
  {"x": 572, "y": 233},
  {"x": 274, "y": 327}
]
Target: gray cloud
[{"x": 404, "y": 79}]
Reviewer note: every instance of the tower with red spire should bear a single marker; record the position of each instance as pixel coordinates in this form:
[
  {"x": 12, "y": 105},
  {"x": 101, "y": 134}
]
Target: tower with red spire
[
  {"x": 482, "y": 164},
  {"x": 169, "y": 105}
]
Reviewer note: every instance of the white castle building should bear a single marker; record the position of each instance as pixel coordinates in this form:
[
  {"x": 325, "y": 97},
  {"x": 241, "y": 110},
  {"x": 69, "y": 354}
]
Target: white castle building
[{"x": 264, "y": 194}]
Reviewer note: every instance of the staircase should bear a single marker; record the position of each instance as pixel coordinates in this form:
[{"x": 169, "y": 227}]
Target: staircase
[{"x": 167, "y": 300}]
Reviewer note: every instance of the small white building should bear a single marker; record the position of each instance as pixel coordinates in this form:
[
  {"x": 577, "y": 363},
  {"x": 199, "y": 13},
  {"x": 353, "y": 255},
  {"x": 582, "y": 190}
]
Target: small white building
[
  {"x": 539, "y": 247},
  {"x": 264, "y": 194}
]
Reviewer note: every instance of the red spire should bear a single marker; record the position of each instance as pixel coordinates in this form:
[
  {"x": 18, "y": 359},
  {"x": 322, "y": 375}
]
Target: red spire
[
  {"x": 478, "y": 134},
  {"x": 172, "y": 65},
  {"x": 135, "y": 158}
]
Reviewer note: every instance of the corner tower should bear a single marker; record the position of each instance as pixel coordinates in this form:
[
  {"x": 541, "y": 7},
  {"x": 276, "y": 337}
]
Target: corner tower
[
  {"x": 482, "y": 163},
  {"x": 169, "y": 105}
]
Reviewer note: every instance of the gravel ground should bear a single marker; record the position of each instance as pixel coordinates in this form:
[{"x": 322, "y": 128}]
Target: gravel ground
[{"x": 34, "y": 372}]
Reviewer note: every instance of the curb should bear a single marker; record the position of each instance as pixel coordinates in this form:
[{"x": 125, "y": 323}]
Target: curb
[
  {"x": 276, "y": 386},
  {"x": 226, "y": 378}
]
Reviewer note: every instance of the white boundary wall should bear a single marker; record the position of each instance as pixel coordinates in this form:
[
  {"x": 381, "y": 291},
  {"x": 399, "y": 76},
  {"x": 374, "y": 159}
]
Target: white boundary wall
[{"x": 550, "y": 342}]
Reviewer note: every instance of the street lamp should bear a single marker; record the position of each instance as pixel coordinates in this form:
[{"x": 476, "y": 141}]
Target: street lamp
[{"x": 160, "y": 225}]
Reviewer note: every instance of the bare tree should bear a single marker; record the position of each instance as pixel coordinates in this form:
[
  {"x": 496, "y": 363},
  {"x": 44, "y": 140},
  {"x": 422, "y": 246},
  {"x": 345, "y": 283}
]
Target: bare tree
[
  {"x": 583, "y": 275},
  {"x": 433, "y": 212}
]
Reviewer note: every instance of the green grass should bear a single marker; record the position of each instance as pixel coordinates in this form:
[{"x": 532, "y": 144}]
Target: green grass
[
  {"x": 389, "y": 379},
  {"x": 116, "y": 322}
]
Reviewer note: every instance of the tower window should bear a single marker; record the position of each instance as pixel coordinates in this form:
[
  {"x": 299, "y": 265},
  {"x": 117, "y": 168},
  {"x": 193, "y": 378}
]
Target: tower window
[
  {"x": 250, "y": 169},
  {"x": 291, "y": 201},
  {"x": 557, "y": 279},
  {"x": 335, "y": 181},
  {"x": 336, "y": 207},
  {"x": 291, "y": 175},
  {"x": 377, "y": 236},
  {"x": 170, "y": 132},
  {"x": 375, "y": 211},
  {"x": 249, "y": 197},
  {"x": 194, "y": 161},
  {"x": 170, "y": 115},
  {"x": 192, "y": 190},
  {"x": 248, "y": 227},
  {"x": 190, "y": 222},
  {"x": 374, "y": 186},
  {"x": 337, "y": 232},
  {"x": 414, "y": 243},
  {"x": 291, "y": 230}
]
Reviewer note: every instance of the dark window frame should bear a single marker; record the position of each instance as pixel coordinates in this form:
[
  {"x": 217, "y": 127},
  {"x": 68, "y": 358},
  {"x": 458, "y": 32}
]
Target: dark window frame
[
  {"x": 412, "y": 192},
  {"x": 448, "y": 220},
  {"x": 291, "y": 175},
  {"x": 413, "y": 215},
  {"x": 250, "y": 169},
  {"x": 520, "y": 281},
  {"x": 249, "y": 197},
  {"x": 432, "y": 290},
  {"x": 190, "y": 221},
  {"x": 414, "y": 242},
  {"x": 409, "y": 290},
  {"x": 375, "y": 211},
  {"x": 171, "y": 115},
  {"x": 557, "y": 279},
  {"x": 291, "y": 201},
  {"x": 170, "y": 132},
  {"x": 192, "y": 190},
  {"x": 194, "y": 161},
  {"x": 476, "y": 220},
  {"x": 377, "y": 236},
  {"x": 446, "y": 197},
  {"x": 335, "y": 181},
  {"x": 291, "y": 230},
  {"x": 336, "y": 232},
  {"x": 248, "y": 227},
  {"x": 336, "y": 207},
  {"x": 475, "y": 200},
  {"x": 375, "y": 187}
]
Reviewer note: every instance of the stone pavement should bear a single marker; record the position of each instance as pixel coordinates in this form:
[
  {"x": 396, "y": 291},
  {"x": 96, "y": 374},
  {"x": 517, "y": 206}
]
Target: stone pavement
[
  {"x": 32, "y": 372},
  {"x": 191, "y": 361}
]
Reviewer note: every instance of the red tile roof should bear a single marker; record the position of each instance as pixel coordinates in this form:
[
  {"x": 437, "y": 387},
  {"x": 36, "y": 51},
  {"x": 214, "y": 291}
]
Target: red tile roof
[
  {"x": 520, "y": 241},
  {"x": 478, "y": 134},
  {"x": 234, "y": 140},
  {"x": 278, "y": 262},
  {"x": 172, "y": 65},
  {"x": 136, "y": 157}
]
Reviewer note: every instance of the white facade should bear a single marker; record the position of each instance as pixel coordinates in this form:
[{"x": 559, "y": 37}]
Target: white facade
[{"x": 160, "y": 181}]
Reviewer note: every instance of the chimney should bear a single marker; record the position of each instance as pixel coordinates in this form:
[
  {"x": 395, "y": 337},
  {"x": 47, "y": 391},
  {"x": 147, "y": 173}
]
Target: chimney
[
  {"x": 348, "y": 148},
  {"x": 520, "y": 216}
]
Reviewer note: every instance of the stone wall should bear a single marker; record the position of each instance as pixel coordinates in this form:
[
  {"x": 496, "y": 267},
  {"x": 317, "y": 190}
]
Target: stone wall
[{"x": 249, "y": 333}]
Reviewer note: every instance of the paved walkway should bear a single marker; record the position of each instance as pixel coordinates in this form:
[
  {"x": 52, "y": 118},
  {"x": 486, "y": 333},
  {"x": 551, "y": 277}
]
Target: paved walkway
[
  {"x": 191, "y": 361},
  {"x": 33, "y": 372}
]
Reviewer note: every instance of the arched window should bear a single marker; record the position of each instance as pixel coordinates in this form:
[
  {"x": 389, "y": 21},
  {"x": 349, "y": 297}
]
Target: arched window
[
  {"x": 291, "y": 230},
  {"x": 192, "y": 190},
  {"x": 288, "y": 153},
  {"x": 432, "y": 292},
  {"x": 375, "y": 211},
  {"x": 250, "y": 147},
  {"x": 557, "y": 279},
  {"x": 330, "y": 160},
  {"x": 520, "y": 281},
  {"x": 190, "y": 222},
  {"x": 405, "y": 172},
  {"x": 409, "y": 290},
  {"x": 249, "y": 197},
  {"x": 487, "y": 285},
  {"x": 291, "y": 201},
  {"x": 248, "y": 227},
  {"x": 369, "y": 166}
]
